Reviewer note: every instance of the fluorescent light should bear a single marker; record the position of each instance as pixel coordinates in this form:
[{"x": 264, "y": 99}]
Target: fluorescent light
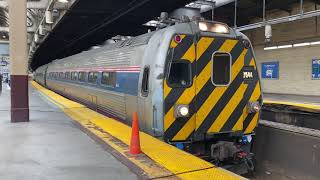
[
  {"x": 301, "y": 44},
  {"x": 270, "y": 48},
  {"x": 153, "y": 23},
  {"x": 63, "y": 1},
  {"x": 294, "y": 45},
  {"x": 315, "y": 43},
  {"x": 285, "y": 46}
]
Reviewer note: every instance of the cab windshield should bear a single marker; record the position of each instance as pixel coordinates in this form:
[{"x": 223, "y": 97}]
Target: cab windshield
[{"x": 180, "y": 74}]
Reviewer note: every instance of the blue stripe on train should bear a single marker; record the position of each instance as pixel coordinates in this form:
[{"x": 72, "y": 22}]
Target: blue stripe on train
[{"x": 126, "y": 82}]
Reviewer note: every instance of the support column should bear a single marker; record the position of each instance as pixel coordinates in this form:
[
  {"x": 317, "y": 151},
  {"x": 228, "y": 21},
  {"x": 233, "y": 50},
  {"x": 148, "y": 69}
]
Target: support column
[{"x": 19, "y": 60}]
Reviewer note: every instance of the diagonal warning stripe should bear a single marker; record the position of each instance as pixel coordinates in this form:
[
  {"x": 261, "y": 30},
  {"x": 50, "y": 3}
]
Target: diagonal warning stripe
[{"x": 182, "y": 127}]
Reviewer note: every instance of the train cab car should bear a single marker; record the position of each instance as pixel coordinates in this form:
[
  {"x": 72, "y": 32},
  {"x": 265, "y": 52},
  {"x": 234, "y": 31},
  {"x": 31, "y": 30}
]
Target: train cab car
[
  {"x": 194, "y": 85},
  {"x": 212, "y": 94}
]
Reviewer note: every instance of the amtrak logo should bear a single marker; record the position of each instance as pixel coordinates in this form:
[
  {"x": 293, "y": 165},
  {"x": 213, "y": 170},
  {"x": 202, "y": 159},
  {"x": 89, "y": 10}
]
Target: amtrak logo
[{"x": 247, "y": 75}]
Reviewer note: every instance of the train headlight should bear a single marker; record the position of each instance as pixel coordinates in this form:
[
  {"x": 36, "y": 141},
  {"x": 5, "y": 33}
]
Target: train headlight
[
  {"x": 214, "y": 27},
  {"x": 203, "y": 26},
  {"x": 181, "y": 110},
  {"x": 254, "y": 107}
]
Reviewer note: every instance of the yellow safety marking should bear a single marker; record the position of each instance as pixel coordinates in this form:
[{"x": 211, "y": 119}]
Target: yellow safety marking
[
  {"x": 190, "y": 54},
  {"x": 175, "y": 160},
  {"x": 218, "y": 92},
  {"x": 169, "y": 118},
  {"x": 69, "y": 107},
  {"x": 252, "y": 124},
  {"x": 173, "y": 43},
  {"x": 166, "y": 89},
  {"x": 202, "y": 45},
  {"x": 185, "y": 98},
  {"x": 186, "y": 130},
  {"x": 307, "y": 106},
  {"x": 228, "y": 109},
  {"x": 239, "y": 125},
  {"x": 254, "y": 97},
  {"x": 252, "y": 63},
  {"x": 205, "y": 74},
  {"x": 203, "y": 77},
  {"x": 228, "y": 45},
  {"x": 256, "y": 92}
]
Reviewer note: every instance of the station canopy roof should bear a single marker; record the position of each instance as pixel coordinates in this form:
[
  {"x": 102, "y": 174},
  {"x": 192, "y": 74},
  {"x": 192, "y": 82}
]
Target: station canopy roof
[{"x": 88, "y": 23}]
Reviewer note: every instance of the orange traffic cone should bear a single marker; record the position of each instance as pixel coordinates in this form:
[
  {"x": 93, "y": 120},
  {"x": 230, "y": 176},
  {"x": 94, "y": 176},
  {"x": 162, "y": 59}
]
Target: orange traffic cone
[{"x": 135, "y": 138}]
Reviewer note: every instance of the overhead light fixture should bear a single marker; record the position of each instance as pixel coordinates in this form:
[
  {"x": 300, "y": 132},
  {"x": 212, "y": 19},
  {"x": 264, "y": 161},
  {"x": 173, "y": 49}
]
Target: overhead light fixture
[
  {"x": 41, "y": 31},
  {"x": 49, "y": 19},
  {"x": 268, "y": 32},
  {"x": 36, "y": 37},
  {"x": 315, "y": 43},
  {"x": 301, "y": 44},
  {"x": 4, "y": 36},
  {"x": 270, "y": 48},
  {"x": 294, "y": 45},
  {"x": 63, "y": 1},
  {"x": 285, "y": 46}
]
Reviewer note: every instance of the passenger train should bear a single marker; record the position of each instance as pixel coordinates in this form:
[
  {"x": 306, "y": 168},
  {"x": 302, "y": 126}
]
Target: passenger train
[{"x": 194, "y": 85}]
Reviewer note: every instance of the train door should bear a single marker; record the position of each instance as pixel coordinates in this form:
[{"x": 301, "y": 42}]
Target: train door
[
  {"x": 144, "y": 99},
  {"x": 131, "y": 94},
  {"x": 220, "y": 88},
  {"x": 179, "y": 89}
]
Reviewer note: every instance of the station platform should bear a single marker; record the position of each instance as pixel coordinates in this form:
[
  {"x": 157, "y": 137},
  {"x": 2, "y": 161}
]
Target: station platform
[
  {"x": 51, "y": 147},
  {"x": 299, "y": 102},
  {"x": 55, "y": 144}
]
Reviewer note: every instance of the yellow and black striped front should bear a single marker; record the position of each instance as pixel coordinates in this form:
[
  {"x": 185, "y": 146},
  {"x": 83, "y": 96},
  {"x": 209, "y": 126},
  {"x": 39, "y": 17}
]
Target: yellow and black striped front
[{"x": 212, "y": 109}]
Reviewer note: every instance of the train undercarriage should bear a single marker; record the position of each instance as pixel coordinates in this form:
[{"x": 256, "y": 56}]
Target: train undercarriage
[{"x": 230, "y": 151}]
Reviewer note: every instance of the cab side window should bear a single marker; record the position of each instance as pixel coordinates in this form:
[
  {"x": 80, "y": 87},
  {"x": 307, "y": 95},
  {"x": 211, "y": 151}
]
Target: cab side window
[
  {"x": 145, "y": 82},
  {"x": 180, "y": 74}
]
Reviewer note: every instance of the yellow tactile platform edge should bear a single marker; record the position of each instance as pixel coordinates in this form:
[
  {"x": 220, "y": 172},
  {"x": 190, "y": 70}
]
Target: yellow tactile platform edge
[
  {"x": 184, "y": 165},
  {"x": 296, "y": 104}
]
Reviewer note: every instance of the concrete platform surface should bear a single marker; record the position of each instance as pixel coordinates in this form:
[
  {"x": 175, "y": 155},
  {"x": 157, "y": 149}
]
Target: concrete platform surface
[{"x": 51, "y": 147}]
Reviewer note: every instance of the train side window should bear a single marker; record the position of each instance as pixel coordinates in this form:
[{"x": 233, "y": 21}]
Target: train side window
[
  {"x": 180, "y": 74},
  {"x": 74, "y": 76},
  {"x": 67, "y": 75},
  {"x": 108, "y": 79},
  {"x": 92, "y": 77},
  {"x": 145, "y": 82},
  {"x": 82, "y": 76},
  {"x": 221, "y": 69},
  {"x": 60, "y": 75}
]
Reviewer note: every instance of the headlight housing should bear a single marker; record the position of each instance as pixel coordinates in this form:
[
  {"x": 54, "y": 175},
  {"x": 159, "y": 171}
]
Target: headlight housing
[
  {"x": 253, "y": 107},
  {"x": 181, "y": 110},
  {"x": 214, "y": 27}
]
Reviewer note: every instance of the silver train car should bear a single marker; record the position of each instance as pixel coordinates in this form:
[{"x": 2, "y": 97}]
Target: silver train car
[{"x": 194, "y": 85}]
